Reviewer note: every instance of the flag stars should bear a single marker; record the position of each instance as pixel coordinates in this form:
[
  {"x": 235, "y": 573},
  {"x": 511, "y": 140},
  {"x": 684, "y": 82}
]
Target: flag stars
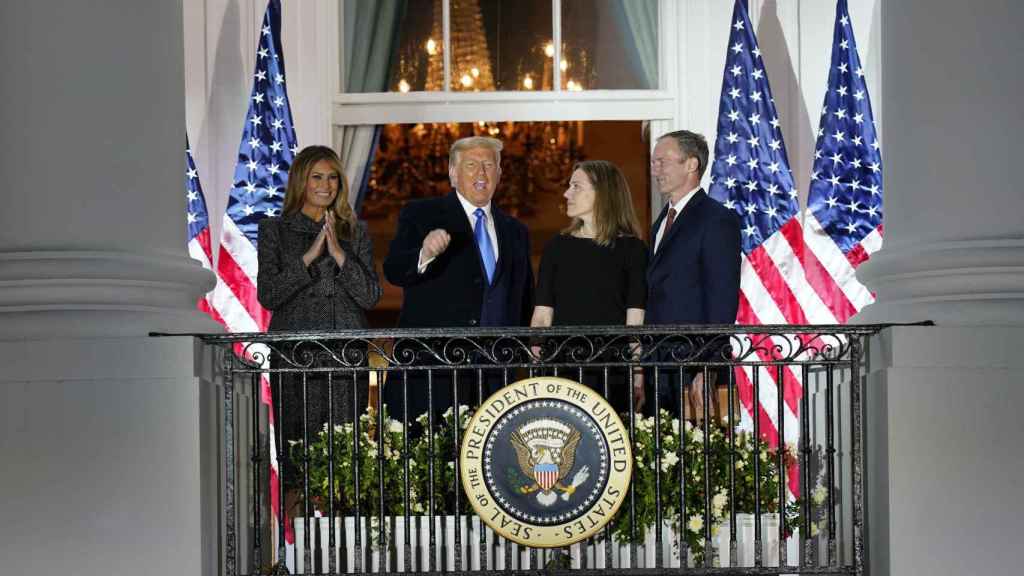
[
  {"x": 855, "y": 163},
  {"x": 875, "y": 145},
  {"x": 192, "y": 196},
  {"x": 756, "y": 52},
  {"x": 857, "y": 141},
  {"x": 771, "y": 212},
  {"x": 192, "y": 217},
  {"x": 853, "y": 206},
  {"x": 732, "y": 138},
  {"x": 832, "y": 202},
  {"x": 278, "y": 79},
  {"x": 840, "y": 113},
  {"x": 875, "y": 190},
  {"x": 757, "y": 74},
  {"x": 859, "y": 72},
  {"x": 750, "y": 208},
  {"x": 817, "y": 154},
  {"x": 734, "y": 93},
  {"x": 872, "y": 211},
  {"x": 858, "y": 95},
  {"x": 755, "y": 96},
  {"x": 842, "y": 90},
  {"x": 875, "y": 167},
  {"x": 249, "y": 210},
  {"x": 277, "y": 124},
  {"x": 844, "y": 68},
  {"x": 844, "y": 20},
  {"x": 752, "y": 163},
  {"x": 775, "y": 145},
  {"x": 755, "y": 118},
  {"x": 256, "y": 120},
  {"x": 250, "y": 187},
  {"x": 192, "y": 173},
  {"x": 754, "y": 141},
  {"x": 858, "y": 118},
  {"x": 266, "y": 31},
  {"x": 254, "y": 143},
  {"x": 730, "y": 159},
  {"x": 730, "y": 183},
  {"x": 855, "y": 185},
  {"x": 279, "y": 101},
  {"x": 273, "y": 169},
  {"x": 261, "y": 75},
  {"x": 271, "y": 211},
  {"x": 252, "y": 165},
  {"x": 738, "y": 25},
  {"x": 850, "y": 227},
  {"x": 834, "y": 180},
  {"x": 737, "y": 48},
  {"x": 837, "y": 159},
  {"x": 276, "y": 146},
  {"x": 750, "y": 230},
  {"x": 773, "y": 167},
  {"x": 844, "y": 44},
  {"x": 839, "y": 136},
  {"x": 736, "y": 70},
  {"x": 793, "y": 193},
  {"x": 729, "y": 204},
  {"x": 734, "y": 115},
  {"x": 750, "y": 186},
  {"x": 263, "y": 52},
  {"x": 258, "y": 98},
  {"x": 773, "y": 189},
  {"x": 775, "y": 123},
  {"x": 272, "y": 191}
]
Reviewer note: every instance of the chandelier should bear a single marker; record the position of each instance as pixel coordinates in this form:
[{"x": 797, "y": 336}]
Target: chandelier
[{"x": 412, "y": 161}]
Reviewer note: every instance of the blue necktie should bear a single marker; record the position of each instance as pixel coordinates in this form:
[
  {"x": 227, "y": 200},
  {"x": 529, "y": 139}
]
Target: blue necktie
[{"x": 483, "y": 242}]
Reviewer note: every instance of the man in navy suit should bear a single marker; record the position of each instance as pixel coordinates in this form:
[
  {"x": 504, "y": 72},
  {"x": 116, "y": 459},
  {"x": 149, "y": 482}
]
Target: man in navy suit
[
  {"x": 460, "y": 262},
  {"x": 694, "y": 273}
]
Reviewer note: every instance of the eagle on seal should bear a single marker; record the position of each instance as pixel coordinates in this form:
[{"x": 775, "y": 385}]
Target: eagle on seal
[{"x": 546, "y": 452}]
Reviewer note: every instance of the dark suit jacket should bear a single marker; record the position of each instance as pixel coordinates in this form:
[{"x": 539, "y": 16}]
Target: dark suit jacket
[
  {"x": 451, "y": 290},
  {"x": 694, "y": 275}
]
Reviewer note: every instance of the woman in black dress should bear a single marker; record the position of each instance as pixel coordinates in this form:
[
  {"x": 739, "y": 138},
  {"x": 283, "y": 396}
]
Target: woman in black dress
[
  {"x": 595, "y": 271},
  {"x": 316, "y": 272}
]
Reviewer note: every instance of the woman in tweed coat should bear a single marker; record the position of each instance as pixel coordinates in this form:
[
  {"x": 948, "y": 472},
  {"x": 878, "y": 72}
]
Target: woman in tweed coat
[{"x": 316, "y": 272}]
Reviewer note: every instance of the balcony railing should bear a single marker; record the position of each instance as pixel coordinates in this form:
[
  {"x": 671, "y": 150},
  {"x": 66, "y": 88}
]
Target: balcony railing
[{"x": 713, "y": 490}]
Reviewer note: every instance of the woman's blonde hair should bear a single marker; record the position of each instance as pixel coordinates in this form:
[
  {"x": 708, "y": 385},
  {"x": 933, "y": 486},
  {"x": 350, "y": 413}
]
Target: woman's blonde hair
[
  {"x": 298, "y": 174},
  {"x": 614, "y": 215}
]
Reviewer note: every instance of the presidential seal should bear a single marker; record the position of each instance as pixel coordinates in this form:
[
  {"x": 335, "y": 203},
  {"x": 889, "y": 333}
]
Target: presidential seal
[{"x": 546, "y": 462}]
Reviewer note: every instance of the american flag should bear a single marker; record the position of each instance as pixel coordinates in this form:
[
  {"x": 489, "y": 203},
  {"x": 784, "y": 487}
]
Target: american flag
[
  {"x": 197, "y": 219},
  {"x": 843, "y": 221},
  {"x": 264, "y": 155},
  {"x": 751, "y": 175}
]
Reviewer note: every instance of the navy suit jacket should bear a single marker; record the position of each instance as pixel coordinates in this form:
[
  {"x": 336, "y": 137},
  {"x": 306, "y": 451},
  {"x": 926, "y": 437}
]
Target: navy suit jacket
[
  {"x": 451, "y": 291},
  {"x": 693, "y": 277}
]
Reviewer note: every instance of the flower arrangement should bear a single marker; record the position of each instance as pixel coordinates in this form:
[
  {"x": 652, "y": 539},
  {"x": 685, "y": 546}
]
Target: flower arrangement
[
  {"x": 682, "y": 448},
  {"x": 681, "y": 451}
]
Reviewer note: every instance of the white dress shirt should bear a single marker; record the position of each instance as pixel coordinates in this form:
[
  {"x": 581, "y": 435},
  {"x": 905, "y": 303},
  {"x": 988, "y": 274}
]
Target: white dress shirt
[{"x": 679, "y": 210}]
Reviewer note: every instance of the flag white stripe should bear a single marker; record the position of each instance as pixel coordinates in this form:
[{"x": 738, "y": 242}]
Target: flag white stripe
[
  {"x": 242, "y": 251},
  {"x": 835, "y": 262},
  {"x": 792, "y": 271}
]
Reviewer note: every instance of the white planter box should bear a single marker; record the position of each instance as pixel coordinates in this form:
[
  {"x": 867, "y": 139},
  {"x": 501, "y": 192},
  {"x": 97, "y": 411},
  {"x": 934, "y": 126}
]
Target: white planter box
[{"x": 503, "y": 555}]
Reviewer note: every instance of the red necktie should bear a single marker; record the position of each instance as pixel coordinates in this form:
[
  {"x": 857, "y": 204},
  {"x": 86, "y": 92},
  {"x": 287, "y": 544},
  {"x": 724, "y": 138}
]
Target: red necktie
[{"x": 668, "y": 221}]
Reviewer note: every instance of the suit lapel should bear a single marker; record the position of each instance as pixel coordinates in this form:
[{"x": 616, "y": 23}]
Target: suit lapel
[{"x": 683, "y": 220}]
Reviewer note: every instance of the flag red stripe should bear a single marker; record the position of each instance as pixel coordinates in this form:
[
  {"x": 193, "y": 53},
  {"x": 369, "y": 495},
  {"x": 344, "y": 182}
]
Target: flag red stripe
[
  {"x": 776, "y": 285},
  {"x": 244, "y": 290},
  {"x": 825, "y": 285}
]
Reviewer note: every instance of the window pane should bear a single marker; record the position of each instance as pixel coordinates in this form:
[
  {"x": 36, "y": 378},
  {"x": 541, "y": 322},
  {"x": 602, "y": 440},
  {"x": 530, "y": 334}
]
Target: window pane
[
  {"x": 500, "y": 45},
  {"x": 610, "y": 44}
]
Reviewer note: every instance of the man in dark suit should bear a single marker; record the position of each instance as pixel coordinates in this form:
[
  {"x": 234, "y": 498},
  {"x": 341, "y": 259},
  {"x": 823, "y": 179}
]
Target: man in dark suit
[
  {"x": 460, "y": 262},
  {"x": 694, "y": 273}
]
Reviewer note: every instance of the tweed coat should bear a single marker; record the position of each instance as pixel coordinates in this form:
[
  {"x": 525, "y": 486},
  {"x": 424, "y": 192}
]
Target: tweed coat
[{"x": 322, "y": 296}]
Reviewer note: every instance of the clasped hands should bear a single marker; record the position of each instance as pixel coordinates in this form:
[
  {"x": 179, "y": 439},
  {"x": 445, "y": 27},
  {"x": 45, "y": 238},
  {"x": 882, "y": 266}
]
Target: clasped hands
[{"x": 328, "y": 237}]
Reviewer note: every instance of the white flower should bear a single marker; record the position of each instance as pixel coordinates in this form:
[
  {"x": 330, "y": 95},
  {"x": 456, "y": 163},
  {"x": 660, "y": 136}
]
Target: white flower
[
  {"x": 819, "y": 495},
  {"x": 695, "y": 524},
  {"x": 668, "y": 461},
  {"x": 451, "y": 465},
  {"x": 718, "y": 503},
  {"x": 644, "y": 423},
  {"x": 675, "y": 426},
  {"x": 814, "y": 529},
  {"x": 447, "y": 413},
  {"x": 395, "y": 426}
]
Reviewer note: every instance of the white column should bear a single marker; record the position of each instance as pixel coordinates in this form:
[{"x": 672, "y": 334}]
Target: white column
[
  {"x": 99, "y": 424},
  {"x": 944, "y": 402},
  {"x": 951, "y": 142}
]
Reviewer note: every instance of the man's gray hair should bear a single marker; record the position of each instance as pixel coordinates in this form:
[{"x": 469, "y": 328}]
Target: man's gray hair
[
  {"x": 691, "y": 144},
  {"x": 472, "y": 142}
]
